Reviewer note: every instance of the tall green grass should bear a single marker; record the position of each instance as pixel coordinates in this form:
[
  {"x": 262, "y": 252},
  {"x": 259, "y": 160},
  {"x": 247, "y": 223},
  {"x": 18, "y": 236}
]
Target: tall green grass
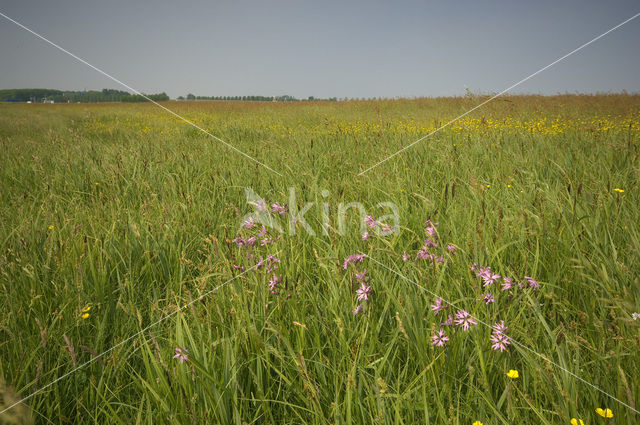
[{"x": 122, "y": 209}]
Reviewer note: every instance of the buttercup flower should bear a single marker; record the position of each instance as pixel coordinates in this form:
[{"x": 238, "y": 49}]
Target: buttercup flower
[
  {"x": 513, "y": 374},
  {"x": 605, "y": 413},
  {"x": 477, "y": 423},
  {"x": 575, "y": 421},
  {"x": 85, "y": 312}
]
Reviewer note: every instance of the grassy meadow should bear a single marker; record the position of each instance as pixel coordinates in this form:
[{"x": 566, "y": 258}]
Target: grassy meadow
[{"x": 114, "y": 216}]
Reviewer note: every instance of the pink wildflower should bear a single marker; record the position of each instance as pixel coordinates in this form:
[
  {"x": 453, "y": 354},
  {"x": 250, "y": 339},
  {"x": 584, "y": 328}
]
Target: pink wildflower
[
  {"x": 361, "y": 276},
  {"x": 429, "y": 242},
  {"x": 370, "y": 221},
  {"x": 182, "y": 355},
  {"x": 499, "y": 337},
  {"x": 507, "y": 283},
  {"x": 275, "y": 207},
  {"x": 500, "y": 341},
  {"x": 354, "y": 258},
  {"x": 274, "y": 282},
  {"x": 438, "y": 306},
  {"x": 423, "y": 254},
  {"x": 499, "y": 327},
  {"x": 490, "y": 278},
  {"x": 465, "y": 320},
  {"x": 363, "y": 292},
  {"x": 532, "y": 282},
  {"x": 439, "y": 339}
]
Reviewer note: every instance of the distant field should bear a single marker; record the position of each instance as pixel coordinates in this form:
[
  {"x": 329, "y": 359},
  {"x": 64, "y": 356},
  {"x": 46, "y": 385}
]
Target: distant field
[{"x": 114, "y": 216}]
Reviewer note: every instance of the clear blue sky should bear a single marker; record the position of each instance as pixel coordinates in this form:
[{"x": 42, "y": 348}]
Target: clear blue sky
[{"x": 321, "y": 48}]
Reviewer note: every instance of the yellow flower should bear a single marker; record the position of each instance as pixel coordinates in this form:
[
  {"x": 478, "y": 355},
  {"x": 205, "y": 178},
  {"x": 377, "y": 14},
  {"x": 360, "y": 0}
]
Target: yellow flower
[
  {"x": 605, "y": 413},
  {"x": 85, "y": 315},
  {"x": 86, "y": 309},
  {"x": 575, "y": 421},
  {"x": 50, "y": 227},
  {"x": 478, "y": 423},
  {"x": 488, "y": 186},
  {"x": 508, "y": 185},
  {"x": 513, "y": 374},
  {"x": 618, "y": 190}
]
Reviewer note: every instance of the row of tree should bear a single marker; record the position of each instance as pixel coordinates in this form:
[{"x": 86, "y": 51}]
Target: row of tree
[
  {"x": 59, "y": 96},
  {"x": 283, "y": 98},
  {"x": 111, "y": 95}
]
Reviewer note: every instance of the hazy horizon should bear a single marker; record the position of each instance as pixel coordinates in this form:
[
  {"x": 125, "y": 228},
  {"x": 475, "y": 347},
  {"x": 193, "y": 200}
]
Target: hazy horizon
[{"x": 355, "y": 50}]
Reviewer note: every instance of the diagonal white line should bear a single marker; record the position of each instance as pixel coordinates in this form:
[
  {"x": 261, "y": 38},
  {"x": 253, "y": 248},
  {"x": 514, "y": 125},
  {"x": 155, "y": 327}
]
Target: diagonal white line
[
  {"x": 543, "y": 357},
  {"x": 502, "y": 92},
  {"x": 60, "y": 378},
  {"x": 139, "y": 93}
]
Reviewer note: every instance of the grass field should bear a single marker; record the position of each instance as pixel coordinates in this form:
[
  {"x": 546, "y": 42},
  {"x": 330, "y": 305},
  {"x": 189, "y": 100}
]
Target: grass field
[{"x": 116, "y": 215}]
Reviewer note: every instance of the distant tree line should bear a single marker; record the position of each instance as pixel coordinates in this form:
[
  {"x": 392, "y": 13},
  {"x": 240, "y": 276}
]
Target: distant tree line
[
  {"x": 283, "y": 98},
  {"x": 85, "y": 96}
]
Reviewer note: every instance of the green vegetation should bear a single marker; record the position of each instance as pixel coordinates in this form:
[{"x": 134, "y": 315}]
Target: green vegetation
[
  {"x": 86, "y": 96},
  {"x": 115, "y": 216}
]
